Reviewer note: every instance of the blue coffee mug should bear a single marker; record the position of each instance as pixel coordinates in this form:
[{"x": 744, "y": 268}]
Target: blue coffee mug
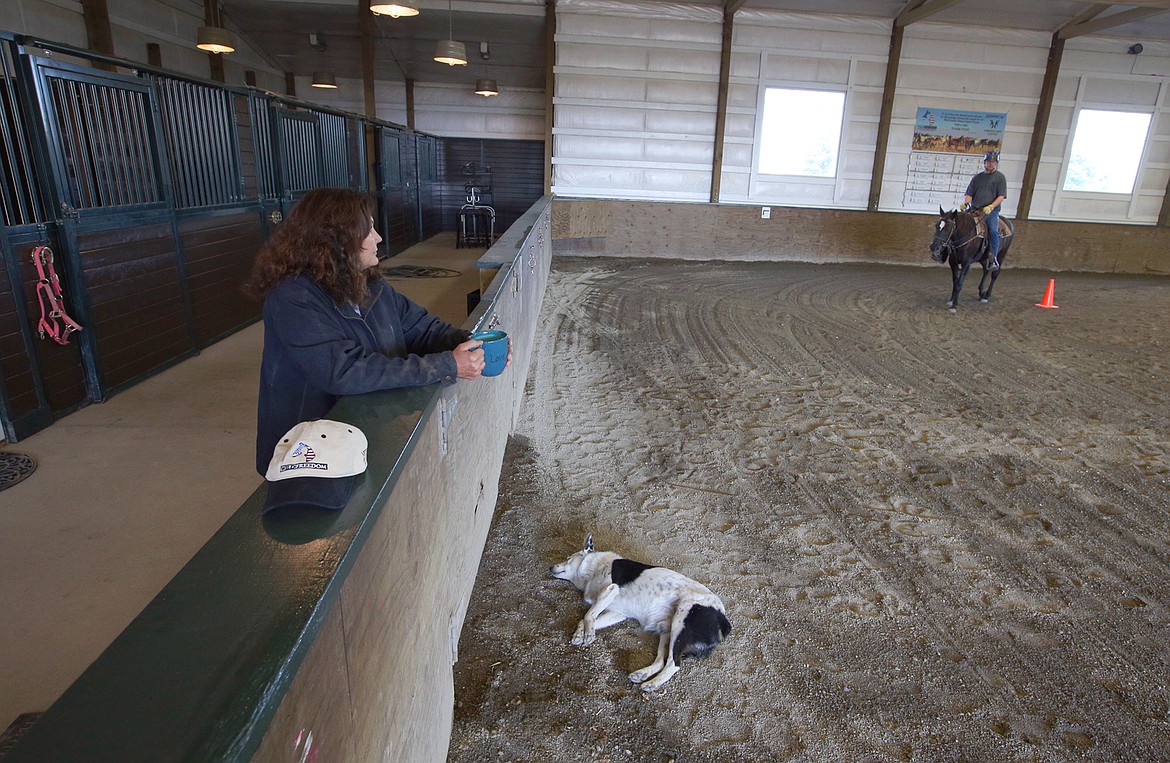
[{"x": 495, "y": 351}]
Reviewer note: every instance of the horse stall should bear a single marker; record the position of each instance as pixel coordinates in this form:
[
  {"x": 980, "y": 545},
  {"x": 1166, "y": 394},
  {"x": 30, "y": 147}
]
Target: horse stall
[{"x": 153, "y": 192}]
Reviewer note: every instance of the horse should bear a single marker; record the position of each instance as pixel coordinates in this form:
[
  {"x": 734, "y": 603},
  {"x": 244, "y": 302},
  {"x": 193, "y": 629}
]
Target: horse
[{"x": 957, "y": 240}]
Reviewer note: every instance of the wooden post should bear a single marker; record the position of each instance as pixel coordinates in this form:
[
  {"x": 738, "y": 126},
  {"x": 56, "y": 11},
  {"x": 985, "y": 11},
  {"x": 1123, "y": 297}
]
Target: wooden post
[
  {"x": 290, "y": 84},
  {"x": 721, "y": 107},
  {"x": 1040, "y": 128},
  {"x": 410, "y": 103},
  {"x": 1164, "y": 215},
  {"x": 215, "y": 64},
  {"x": 154, "y": 54},
  {"x": 249, "y": 78},
  {"x": 550, "y": 56},
  {"x": 97, "y": 30},
  {"x": 366, "y": 24},
  {"x": 889, "y": 90}
]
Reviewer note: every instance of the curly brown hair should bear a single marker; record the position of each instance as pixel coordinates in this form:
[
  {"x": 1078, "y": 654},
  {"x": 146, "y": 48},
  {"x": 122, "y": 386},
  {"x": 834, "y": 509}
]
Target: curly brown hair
[{"x": 321, "y": 239}]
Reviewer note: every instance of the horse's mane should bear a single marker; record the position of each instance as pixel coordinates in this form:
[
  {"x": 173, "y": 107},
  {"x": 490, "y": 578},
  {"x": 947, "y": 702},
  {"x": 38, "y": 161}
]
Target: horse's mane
[{"x": 959, "y": 216}]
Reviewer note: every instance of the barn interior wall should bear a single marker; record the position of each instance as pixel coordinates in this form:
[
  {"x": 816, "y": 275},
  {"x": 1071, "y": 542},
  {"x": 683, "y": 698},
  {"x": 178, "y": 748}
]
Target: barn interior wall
[
  {"x": 1098, "y": 73},
  {"x": 804, "y": 51},
  {"x": 445, "y": 110},
  {"x": 644, "y": 76},
  {"x": 171, "y": 24},
  {"x": 636, "y": 92},
  {"x": 613, "y": 228},
  {"x": 965, "y": 69}
]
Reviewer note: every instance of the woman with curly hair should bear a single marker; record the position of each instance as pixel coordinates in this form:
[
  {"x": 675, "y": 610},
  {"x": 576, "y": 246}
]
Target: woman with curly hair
[{"x": 332, "y": 326}]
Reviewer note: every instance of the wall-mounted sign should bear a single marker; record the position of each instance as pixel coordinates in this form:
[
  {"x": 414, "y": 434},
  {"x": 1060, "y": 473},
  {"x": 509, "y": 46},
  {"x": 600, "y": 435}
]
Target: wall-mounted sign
[
  {"x": 947, "y": 151},
  {"x": 946, "y": 131}
]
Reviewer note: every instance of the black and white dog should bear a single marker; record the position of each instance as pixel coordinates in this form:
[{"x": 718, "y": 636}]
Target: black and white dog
[{"x": 690, "y": 620}]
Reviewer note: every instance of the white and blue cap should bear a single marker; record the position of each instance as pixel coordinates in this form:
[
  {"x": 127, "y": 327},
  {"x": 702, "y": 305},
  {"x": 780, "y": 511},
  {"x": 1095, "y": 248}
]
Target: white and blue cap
[{"x": 317, "y": 463}]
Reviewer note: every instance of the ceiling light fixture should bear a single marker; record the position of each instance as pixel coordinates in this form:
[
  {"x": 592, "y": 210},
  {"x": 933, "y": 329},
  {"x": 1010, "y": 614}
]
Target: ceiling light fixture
[
  {"x": 325, "y": 80},
  {"x": 450, "y": 52},
  {"x": 395, "y": 10},
  {"x": 486, "y": 87},
  {"x": 215, "y": 39},
  {"x": 212, "y": 37}
]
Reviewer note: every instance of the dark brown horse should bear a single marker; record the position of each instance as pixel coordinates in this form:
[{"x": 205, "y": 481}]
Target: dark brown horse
[{"x": 957, "y": 241}]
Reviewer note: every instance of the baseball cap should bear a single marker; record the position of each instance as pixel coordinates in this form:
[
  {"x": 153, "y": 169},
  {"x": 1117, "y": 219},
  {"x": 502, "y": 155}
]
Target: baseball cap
[{"x": 316, "y": 463}]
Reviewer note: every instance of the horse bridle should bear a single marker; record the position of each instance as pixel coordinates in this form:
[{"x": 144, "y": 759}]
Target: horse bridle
[{"x": 947, "y": 248}]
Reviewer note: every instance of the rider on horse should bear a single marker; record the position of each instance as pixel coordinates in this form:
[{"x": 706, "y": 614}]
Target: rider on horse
[{"x": 985, "y": 192}]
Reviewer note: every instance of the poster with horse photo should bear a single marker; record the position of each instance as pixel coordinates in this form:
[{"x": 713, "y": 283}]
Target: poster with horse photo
[
  {"x": 946, "y": 131},
  {"x": 947, "y": 150}
]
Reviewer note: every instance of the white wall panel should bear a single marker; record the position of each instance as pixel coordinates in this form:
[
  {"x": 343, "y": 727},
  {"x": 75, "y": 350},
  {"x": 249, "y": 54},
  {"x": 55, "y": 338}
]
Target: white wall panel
[
  {"x": 1119, "y": 92},
  {"x": 700, "y": 123},
  {"x": 966, "y": 69},
  {"x": 1096, "y": 72},
  {"x": 589, "y": 84},
  {"x": 814, "y": 51},
  {"x": 457, "y": 112},
  {"x": 819, "y": 71},
  {"x": 743, "y": 95},
  {"x": 646, "y": 74},
  {"x": 60, "y": 21}
]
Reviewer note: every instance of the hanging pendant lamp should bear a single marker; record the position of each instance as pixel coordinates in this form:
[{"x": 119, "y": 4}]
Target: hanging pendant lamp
[
  {"x": 451, "y": 52},
  {"x": 486, "y": 87},
  {"x": 212, "y": 36},
  {"x": 325, "y": 80},
  {"x": 215, "y": 39},
  {"x": 396, "y": 9}
]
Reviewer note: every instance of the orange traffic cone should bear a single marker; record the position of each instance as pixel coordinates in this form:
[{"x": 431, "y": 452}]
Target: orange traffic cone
[{"x": 1049, "y": 295}]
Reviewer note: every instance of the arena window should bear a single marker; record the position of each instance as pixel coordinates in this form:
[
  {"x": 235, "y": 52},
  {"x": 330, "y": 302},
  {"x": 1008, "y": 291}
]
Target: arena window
[
  {"x": 1107, "y": 148},
  {"x": 800, "y": 132}
]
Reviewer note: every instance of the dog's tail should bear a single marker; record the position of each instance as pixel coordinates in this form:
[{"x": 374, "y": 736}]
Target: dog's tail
[{"x": 703, "y": 629}]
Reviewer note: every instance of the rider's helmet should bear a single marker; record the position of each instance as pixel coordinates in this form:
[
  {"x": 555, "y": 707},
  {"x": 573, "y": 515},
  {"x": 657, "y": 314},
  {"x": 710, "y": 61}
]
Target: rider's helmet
[{"x": 991, "y": 156}]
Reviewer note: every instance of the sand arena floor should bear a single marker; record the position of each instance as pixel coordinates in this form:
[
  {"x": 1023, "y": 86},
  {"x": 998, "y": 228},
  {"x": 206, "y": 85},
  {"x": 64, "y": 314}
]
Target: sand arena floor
[{"x": 939, "y": 537}]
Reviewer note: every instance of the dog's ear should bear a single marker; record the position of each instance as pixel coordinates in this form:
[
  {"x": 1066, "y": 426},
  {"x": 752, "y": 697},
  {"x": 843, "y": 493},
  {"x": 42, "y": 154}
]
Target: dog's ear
[{"x": 589, "y": 543}]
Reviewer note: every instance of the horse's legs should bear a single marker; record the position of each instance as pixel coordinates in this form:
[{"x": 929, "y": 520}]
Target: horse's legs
[
  {"x": 1003, "y": 250},
  {"x": 985, "y": 293},
  {"x": 985, "y": 296},
  {"x": 958, "y": 275}
]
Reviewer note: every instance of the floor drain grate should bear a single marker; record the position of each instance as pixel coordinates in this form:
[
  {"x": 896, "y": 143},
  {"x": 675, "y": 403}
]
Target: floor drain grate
[
  {"x": 14, "y": 467},
  {"x": 418, "y": 271}
]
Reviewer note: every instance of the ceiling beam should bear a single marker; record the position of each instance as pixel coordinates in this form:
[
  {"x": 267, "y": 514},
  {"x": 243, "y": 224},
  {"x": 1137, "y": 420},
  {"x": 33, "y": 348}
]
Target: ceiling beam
[
  {"x": 1108, "y": 22},
  {"x": 1088, "y": 14},
  {"x": 909, "y": 16}
]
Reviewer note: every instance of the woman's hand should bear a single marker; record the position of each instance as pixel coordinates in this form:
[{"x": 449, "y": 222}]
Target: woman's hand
[{"x": 469, "y": 359}]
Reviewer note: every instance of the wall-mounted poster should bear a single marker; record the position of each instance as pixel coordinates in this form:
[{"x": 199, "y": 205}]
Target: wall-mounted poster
[{"x": 947, "y": 151}]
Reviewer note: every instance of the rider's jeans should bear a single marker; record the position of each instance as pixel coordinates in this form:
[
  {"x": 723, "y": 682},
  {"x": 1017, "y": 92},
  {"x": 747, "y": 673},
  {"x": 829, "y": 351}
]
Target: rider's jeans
[{"x": 993, "y": 232}]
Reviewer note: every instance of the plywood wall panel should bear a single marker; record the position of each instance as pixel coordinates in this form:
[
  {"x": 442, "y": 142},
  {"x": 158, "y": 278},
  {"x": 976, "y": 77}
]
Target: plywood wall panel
[{"x": 737, "y": 232}]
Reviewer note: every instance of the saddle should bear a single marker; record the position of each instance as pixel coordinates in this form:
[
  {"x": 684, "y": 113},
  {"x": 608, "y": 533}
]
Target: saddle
[{"x": 981, "y": 227}]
